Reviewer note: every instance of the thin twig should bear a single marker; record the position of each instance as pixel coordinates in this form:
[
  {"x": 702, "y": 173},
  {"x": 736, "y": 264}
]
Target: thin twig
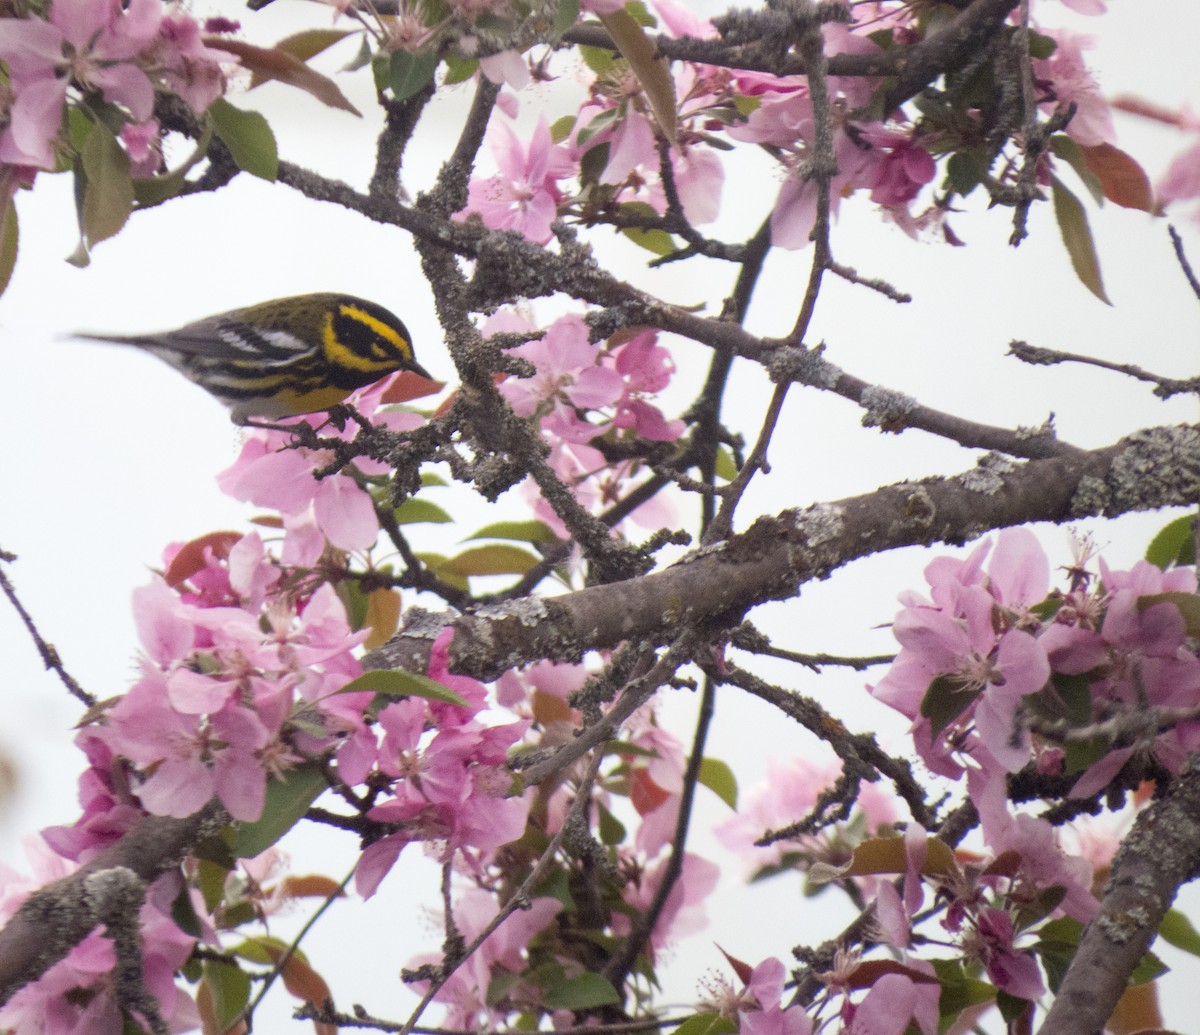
[
  {"x": 1184, "y": 265},
  {"x": 1164, "y": 387},
  {"x": 47, "y": 650},
  {"x": 248, "y": 1014}
]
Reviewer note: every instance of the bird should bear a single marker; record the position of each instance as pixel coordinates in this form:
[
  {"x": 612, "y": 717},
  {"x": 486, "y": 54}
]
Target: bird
[{"x": 285, "y": 357}]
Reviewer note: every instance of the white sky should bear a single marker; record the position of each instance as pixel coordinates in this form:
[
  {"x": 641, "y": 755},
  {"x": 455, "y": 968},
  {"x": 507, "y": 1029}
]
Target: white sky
[{"x": 110, "y": 455}]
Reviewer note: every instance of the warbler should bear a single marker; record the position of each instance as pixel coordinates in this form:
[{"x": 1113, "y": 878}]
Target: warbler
[{"x": 286, "y": 357}]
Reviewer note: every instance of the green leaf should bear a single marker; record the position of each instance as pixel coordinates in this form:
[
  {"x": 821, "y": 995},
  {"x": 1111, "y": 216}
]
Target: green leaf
[
  {"x": 944, "y": 702},
  {"x": 725, "y": 469},
  {"x": 561, "y": 128},
  {"x": 612, "y": 830},
  {"x": 399, "y": 684},
  {"x": 459, "y": 69},
  {"x": 959, "y": 990},
  {"x": 248, "y": 136},
  {"x": 566, "y": 15},
  {"x": 355, "y": 601},
  {"x": 520, "y": 531},
  {"x": 262, "y": 949},
  {"x": 8, "y": 243},
  {"x": 229, "y": 987},
  {"x": 490, "y": 560},
  {"x": 1077, "y": 236},
  {"x": 599, "y": 60},
  {"x": 653, "y": 72},
  {"x": 1176, "y": 929},
  {"x": 584, "y": 992},
  {"x": 1058, "y": 941},
  {"x": 210, "y": 881},
  {"x": 108, "y": 188},
  {"x": 706, "y": 1024},
  {"x": 600, "y": 123},
  {"x": 183, "y": 913},
  {"x": 416, "y": 511},
  {"x": 1174, "y": 545},
  {"x": 718, "y": 778},
  {"x": 1041, "y": 47},
  {"x": 1149, "y": 967},
  {"x": 746, "y": 104},
  {"x": 965, "y": 170},
  {"x": 1070, "y": 152},
  {"x": 1013, "y": 1009},
  {"x": 1075, "y": 691},
  {"x": 408, "y": 74},
  {"x": 438, "y": 564},
  {"x": 288, "y": 798}
]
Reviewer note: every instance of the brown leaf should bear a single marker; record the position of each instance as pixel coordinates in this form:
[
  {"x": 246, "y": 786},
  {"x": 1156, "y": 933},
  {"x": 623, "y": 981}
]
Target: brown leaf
[
  {"x": 273, "y": 63},
  {"x": 1125, "y": 183}
]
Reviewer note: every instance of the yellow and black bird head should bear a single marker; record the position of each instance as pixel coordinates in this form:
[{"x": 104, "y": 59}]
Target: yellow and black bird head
[{"x": 286, "y": 357}]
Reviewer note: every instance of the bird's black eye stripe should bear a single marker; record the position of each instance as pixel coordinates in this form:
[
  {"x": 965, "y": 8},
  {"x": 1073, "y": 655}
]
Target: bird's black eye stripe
[{"x": 360, "y": 337}]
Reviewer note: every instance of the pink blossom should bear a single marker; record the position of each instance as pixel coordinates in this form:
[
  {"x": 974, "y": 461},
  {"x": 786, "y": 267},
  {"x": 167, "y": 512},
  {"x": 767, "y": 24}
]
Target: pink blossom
[
  {"x": 89, "y": 42},
  {"x": 895, "y": 1001},
  {"x": 1015, "y": 972},
  {"x": 1043, "y": 863},
  {"x": 569, "y": 375},
  {"x": 191, "y": 69},
  {"x": 759, "y": 1010},
  {"x": 1181, "y": 181},
  {"x": 646, "y": 368},
  {"x": 505, "y": 951},
  {"x": 449, "y": 786},
  {"x": 269, "y": 474},
  {"x": 904, "y": 170},
  {"x": 523, "y": 195},
  {"x": 680, "y": 20},
  {"x": 77, "y": 994},
  {"x": 683, "y": 914},
  {"x": 141, "y": 140},
  {"x": 506, "y": 68},
  {"x": 1069, "y": 81}
]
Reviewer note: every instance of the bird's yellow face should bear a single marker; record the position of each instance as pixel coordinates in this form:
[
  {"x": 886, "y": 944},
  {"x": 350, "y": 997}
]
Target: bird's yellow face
[{"x": 362, "y": 340}]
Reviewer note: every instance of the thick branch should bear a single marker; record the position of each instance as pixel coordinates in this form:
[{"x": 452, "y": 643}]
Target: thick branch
[
  {"x": 1160, "y": 853},
  {"x": 1151, "y": 469},
  {"x": 56, "y": 918}
]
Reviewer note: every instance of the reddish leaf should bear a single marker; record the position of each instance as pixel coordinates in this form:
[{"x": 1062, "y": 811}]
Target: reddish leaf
[
  {"x": 190, "y": 558},
  {"x": 547, "y": 708},
  {"x": 305, "y": 45},
  {"x": 273, "y": 63},
  {"x": 1124, "y": 181},
  {"x": 742, "y": 969},
  {"x": 868, "y": 972},
  {"x": 1147, "y": 110},
  {"x": 644, "y": 793},
  {"x": 406, "y": 386},
  {"x": 314, "y": 885},
  {"x": 383, "y": 616}
]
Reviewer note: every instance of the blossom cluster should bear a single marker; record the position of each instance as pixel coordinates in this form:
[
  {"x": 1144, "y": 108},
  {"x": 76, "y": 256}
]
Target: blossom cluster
[
  {"x": 582, "y": 391},
  {"x": 124, "y": 53},
  {"x": 991, "y": 651}
]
